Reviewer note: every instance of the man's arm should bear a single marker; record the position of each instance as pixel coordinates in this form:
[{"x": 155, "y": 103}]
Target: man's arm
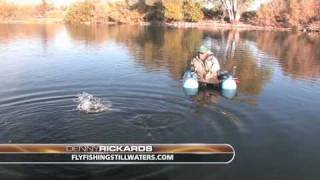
[
  {"x": 192, "y": 66},
  {"x": 216, "y": 65}
]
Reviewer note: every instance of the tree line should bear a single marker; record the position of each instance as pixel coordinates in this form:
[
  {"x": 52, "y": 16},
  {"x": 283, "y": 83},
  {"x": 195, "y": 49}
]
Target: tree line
[{"x": 279, "y": 13}]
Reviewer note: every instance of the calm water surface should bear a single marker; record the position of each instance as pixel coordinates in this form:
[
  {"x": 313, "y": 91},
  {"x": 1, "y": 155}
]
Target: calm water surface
[{"x": 273, "y": 122}]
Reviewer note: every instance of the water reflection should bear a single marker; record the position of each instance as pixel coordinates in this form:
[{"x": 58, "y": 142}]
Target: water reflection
[
  {"x": 139, "y": 70},
  {"x": 47, "y": 32},
  {"x": 159, "y": 48},
  {"x": 298, "y": 53},
  {"x": 171, "y": 49},
  {"x": 206, "y": 97},
  {"x": 155, "y": 48}
]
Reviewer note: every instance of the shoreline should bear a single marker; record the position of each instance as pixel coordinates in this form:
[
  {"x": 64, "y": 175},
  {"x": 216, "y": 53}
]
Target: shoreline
[
  {"x": 210, "y": 25},
  {"x": 220, "y": 25},
  {"x": 34, "y": 21}
]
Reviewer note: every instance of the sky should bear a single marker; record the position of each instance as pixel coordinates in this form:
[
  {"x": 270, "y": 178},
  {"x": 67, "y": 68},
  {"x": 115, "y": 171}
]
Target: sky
[
  {"x": 257, "y": 3},
  {"x": 62, "y": 2}
]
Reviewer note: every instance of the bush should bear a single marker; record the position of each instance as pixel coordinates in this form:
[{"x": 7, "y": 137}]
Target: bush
[
  {"x": 10, "y": 11},
  {"x": 7, "y": 10},
  {"x": 102, "y": 12},
  {"x": 301, "y": 12},
  {"x": 124, "y": 12},
  {"x": 80, "y": 12},
  {"x": 192, "y": 11},
  {"x": 214, "y": 12},
  {"x": 44, "y": 8},
  {"x": 173, "y": 10},
  {"x": 155, "y": 12},
  {"x": 291, "y": 13},
  {"x": 56, "y": 14}
]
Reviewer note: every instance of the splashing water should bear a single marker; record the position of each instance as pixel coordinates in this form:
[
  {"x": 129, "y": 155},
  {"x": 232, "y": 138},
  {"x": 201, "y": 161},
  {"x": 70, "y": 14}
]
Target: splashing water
[{"x": 90, "y": 104}]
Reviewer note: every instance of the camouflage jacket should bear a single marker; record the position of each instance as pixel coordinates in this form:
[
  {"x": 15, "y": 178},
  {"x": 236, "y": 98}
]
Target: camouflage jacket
[{"x": 207, "y": 70}]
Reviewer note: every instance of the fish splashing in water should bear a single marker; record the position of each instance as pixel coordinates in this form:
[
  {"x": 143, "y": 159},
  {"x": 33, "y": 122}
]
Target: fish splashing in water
[{"x": 90, "y": 104}]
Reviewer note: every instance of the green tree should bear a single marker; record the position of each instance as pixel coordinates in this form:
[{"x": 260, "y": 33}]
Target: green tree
[
  {"x": 192, "y": 11},
  {"x": 173, "y": 10}
]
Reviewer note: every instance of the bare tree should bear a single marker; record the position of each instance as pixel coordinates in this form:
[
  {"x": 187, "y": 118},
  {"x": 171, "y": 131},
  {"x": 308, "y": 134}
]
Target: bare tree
[{"x": 235, "y": 8}]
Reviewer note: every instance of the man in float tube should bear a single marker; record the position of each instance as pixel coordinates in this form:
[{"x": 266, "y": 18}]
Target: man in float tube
[{"x": 206, "y": 66}]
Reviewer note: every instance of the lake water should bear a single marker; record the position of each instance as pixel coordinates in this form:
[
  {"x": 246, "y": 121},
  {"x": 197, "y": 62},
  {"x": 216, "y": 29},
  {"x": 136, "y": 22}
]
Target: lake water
[{"x": 273, "y": 122}]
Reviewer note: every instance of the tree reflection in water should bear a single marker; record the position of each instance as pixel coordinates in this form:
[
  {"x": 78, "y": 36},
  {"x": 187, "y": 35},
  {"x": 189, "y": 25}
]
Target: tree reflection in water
[{"x": 162, "y": 48}]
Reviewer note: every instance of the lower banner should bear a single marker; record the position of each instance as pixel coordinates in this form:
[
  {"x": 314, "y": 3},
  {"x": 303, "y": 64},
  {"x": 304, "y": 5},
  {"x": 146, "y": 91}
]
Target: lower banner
[{"x": 116, "y": 153}]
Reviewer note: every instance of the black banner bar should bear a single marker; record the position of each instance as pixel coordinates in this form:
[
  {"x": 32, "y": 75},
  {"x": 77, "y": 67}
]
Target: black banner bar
[{"x": 117, "y": 158}]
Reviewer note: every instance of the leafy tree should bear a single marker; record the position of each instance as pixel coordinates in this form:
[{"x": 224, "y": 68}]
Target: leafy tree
[
  {"x": 291, "y": 13},
  {"x": 173, "y": 10},
  {"x": 80, "y": 12},
  {"x": 192, "y": 11},
  {"x": 7, "y": 9}
]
